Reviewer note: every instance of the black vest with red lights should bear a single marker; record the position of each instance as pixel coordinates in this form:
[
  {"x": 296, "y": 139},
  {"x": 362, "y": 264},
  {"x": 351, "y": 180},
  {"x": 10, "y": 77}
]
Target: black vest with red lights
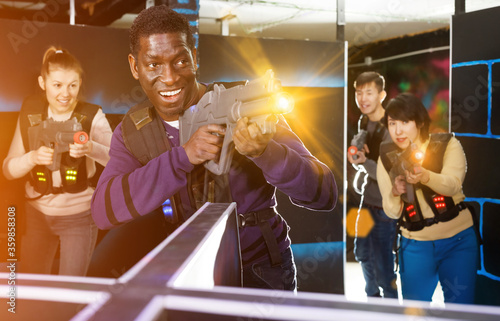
[{"x": 443, "y": 207}]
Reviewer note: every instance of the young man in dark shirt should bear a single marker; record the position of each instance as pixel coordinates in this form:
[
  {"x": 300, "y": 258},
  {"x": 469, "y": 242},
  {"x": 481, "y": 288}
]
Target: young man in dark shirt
[{"x": 374, "y": 250}]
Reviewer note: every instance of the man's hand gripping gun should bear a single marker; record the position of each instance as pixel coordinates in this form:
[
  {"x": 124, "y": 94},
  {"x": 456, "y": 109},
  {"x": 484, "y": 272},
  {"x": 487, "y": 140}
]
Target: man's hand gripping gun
[
  {"x": 357, "y": 143},
  {"x": 408, "y": 160},
  {"x": 56, "y": 135},
  {"x": 260, "y": 100}
]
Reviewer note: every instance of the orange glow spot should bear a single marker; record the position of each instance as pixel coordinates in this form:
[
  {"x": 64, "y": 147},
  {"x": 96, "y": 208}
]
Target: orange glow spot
[{"x": 362, "y": 225}]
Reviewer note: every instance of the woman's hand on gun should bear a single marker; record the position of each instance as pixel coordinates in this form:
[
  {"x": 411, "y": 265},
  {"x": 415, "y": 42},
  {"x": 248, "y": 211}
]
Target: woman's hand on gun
[
  {"x": 418, "y": 175},
  {"x": 80, "y": 150},
  {"x": 399, "y": 186},
  {"x": 42, "y": 156}
]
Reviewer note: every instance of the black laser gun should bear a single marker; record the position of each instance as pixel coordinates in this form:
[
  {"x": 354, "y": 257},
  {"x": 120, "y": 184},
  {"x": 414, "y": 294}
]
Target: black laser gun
[
  {"x": 411, "y": 160},
  {"x": 56, "y": 135},
  {"x": 357, "y": 143},
  {"x": 260, "y": 100}
]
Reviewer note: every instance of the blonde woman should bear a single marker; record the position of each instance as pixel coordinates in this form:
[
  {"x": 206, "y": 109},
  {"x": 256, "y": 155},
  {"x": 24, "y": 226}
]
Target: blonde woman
[{"x": 57, "y": 189}]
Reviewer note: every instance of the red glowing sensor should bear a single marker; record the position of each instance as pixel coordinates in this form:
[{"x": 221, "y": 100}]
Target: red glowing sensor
[
  {"x": 357, "y": 143},
  {"x": 352, "y": 150},
  {"x": 80, "y": 137}
]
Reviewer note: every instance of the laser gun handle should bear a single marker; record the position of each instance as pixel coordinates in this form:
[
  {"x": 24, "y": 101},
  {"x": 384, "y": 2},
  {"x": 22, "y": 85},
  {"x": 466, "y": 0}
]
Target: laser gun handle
[
  {"x": 223, "y": 165},
  {"x": 409, "y": 196}
]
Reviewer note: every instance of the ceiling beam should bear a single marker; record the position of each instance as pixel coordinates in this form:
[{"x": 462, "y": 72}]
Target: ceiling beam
[
  {"x": 56, "y": 13},
  {"x": 88, "y": 12},
  {"x": 459, "y": 6},
  {"x": 340, "y": 20},
  {"x": 104, "y": 13}
]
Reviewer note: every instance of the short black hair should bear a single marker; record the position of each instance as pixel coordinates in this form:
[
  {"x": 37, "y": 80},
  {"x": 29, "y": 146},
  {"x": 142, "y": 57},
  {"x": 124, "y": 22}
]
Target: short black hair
[
  {"x": 368, "y": 77},
  {"x": 158, "y": 20},
  {"x": 407, "y": 107}
]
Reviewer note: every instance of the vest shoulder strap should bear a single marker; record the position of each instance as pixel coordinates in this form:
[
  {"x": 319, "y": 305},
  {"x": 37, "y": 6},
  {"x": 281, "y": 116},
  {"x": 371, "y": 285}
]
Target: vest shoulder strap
[
  {"x": 143, "y": 132},
  {"x": 32, "y": 113},
  {"x": 434, "y": 154},
  {"x": 362, "y": 122},
  {"x": 85, "y": 113},
  {"x": 386, "y": 150},
  {"x": 375, "y": 138}
]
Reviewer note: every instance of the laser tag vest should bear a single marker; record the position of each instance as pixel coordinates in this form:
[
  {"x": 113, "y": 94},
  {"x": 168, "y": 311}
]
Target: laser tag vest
[
  {"x": 443, "y": 207},
  {"x": 73, "y": 170},
  {"x": 374, "y": 139},
  {"x": 144, "y": 136}
]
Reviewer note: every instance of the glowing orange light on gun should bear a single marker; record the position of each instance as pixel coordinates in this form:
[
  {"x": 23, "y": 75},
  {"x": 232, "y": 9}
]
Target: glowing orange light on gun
[{"x": 283, "y": 103}]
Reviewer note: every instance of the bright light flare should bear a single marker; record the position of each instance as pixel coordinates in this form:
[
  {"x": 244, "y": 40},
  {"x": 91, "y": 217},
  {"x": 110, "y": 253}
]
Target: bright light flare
[
  {"x": 419, "y": 156},
  {"x": 283, "y": 103}
]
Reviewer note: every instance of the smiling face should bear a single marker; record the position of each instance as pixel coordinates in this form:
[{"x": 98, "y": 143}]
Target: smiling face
[
  {"x": 166, "y": 69},
  {"x": 369, "y": 100},
  {"x": 403, "y": 133},
  {"x": 61, "y": 88}
]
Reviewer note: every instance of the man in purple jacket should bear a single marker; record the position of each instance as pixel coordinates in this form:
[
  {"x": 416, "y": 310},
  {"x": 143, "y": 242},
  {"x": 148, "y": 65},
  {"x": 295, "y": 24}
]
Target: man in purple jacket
[{"x": 148, "y": 167}]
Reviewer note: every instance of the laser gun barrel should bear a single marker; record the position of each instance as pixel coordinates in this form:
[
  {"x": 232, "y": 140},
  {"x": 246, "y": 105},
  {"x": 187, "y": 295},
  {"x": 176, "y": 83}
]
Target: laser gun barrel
[{"x": 80, "y": 137}]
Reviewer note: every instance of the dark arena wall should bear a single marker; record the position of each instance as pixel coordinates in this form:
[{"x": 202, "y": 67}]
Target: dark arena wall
[{"x": 475, "y": 119}]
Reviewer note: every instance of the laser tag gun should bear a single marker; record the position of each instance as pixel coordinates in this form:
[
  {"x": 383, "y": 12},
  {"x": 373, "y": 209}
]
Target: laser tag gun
[
  {"x": 261, "y": 100},
  {"x": 411, "y": 160},
  {"x": 357, "y": 143},
  {"x": 56, "y": 135}
]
